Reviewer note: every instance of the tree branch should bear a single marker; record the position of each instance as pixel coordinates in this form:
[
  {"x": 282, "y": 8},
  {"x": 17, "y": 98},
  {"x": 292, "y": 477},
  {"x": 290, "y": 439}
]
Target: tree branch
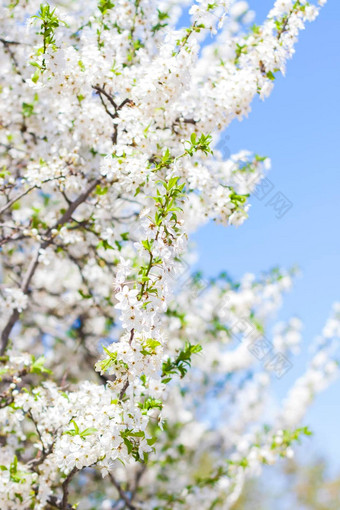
[
  {"x": 65, "y": 486},
  {"x": 124, "y": 388},
  {"x": 56, "y": 503},
  {"x": 12, "y": 56},
  {"x": 122, "y": 493},
  {"x": 20, "y": 195},
  {"x": 100, "y": 90},
  {"x": 138, "y": 478},
  {"x": 35, "y": 261}
]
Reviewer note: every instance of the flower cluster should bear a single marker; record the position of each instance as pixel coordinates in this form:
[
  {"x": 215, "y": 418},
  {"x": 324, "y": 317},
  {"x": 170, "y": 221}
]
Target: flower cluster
[{"x": 114, "y": 359}]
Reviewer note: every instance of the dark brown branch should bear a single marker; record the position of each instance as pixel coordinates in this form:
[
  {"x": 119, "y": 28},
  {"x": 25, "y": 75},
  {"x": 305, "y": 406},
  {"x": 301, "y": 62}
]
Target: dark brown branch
[
  {"x": 6, "y": 398},
  {"x": 124, "y": 388},
  {"x": 39, "y": 460},
  {"x": 35, "y": 261},
  {"x": 5, "y": 42},
  {"x": 284, "y": 25},
  {"x": 121, "y": 493},
  {"x": 186, "y": 121},
  {"x": 56, "y": 503},
  {"x": 65, "y": 487},
  {"x": 15, "y": 199},
  {"x": 126, "y": 101},
  {"x": 8, "y": 328},
  {"x": 66, "y": 198},
  {"x": 45, "y": 451},
  {"x": 179, "y": 121},
  {"x": 114, "y": 137},
  {"x": 73, "y": 206},
  {"x": 100, "y": 90},
  {"x": 7, "y": 46},
  {"x": 138, "y": 478},
  {"x": 112, "y": 115}
]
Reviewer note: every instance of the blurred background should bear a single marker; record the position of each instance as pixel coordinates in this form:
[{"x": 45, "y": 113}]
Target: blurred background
[{"x": 298, "y": 128}]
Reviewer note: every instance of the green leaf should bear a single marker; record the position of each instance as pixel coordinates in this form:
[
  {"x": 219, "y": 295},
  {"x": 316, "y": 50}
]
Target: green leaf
[
  {"x": 128, "y": 445},
  {"x": 88, "y": 432},
  {"x": 151, "y": 441},
  {"x": 104, "y": 244},
  {"x": 76, "y": 428},
  {"x": 101, "y": 191},
  {"x": 27, "y": 109},
  {"x": 83, "y": 295},
  {"x": 38, "y": 366},
  {"x": 36, "y": 76},
  {"x": 150, "y": 403},
  {"x": 147, "y": 244},
  {"x": 149, "y": 346},
  {"x": 182, "y": 363},
  {"x": 81, "y": 65},
  {"x": 105, "y": 5}
]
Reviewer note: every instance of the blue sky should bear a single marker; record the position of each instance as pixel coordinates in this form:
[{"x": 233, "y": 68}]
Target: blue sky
[{"x": 298, "y": 128}]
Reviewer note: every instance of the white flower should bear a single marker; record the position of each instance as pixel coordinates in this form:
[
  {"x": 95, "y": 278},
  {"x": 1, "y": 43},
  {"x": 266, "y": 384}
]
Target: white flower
[{"x": 16, "y": 299}]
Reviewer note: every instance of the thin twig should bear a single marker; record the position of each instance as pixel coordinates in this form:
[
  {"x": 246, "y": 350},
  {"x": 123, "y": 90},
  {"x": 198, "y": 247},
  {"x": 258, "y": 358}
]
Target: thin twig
[
  {"x": 122, "y": 493},
  {"x": 56, "y": 503},
  {"x": 7, "y": 46},
  {"x": 35, "y": 260},
  {"x": 5, "y": 42},
  {"x": 100, "y": 90},
  {"x": 16, "y": 198},
  {"x": 138, "y": 478}
]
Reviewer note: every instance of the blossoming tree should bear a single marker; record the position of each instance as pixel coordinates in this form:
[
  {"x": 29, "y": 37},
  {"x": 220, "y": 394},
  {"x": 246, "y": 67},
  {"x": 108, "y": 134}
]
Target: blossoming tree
[{"x": 125, "y": 383}]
